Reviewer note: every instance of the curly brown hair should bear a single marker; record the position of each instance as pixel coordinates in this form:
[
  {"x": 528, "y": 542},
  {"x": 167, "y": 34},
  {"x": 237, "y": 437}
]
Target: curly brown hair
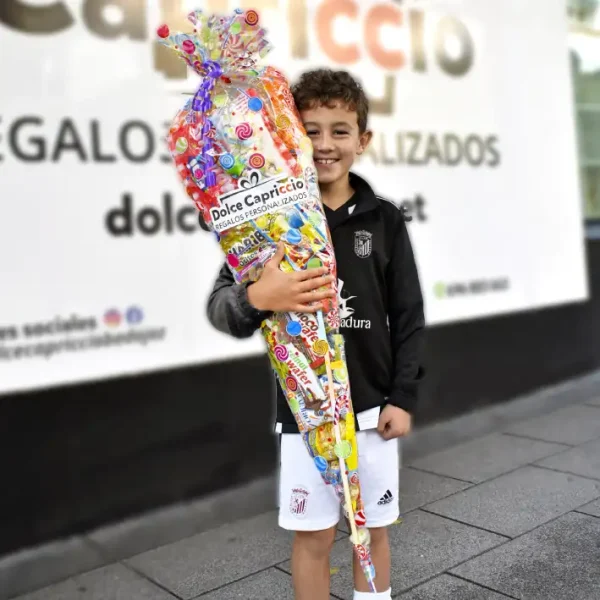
[{"x": 326, "y": 87}]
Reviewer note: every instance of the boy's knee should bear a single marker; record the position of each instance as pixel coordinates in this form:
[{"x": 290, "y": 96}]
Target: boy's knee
[{"x": 318, "y": 543}]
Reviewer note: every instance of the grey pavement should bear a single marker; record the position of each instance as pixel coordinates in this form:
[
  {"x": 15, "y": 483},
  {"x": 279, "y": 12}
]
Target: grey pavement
[{"x": 502, "y": 503}]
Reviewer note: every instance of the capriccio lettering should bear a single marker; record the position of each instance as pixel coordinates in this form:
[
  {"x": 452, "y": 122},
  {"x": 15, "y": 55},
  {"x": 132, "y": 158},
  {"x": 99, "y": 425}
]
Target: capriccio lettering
[{"x": 373, "y": 17}]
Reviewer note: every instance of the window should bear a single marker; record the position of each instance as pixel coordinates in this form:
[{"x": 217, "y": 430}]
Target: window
[{"x": 584, "y": 43}]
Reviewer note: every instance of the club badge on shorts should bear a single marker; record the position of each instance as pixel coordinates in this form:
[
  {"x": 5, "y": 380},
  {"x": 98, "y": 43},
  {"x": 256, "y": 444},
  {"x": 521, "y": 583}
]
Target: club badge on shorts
[
  {"x": 363, "y": 243},
  {"x": 298, "y": 501}
]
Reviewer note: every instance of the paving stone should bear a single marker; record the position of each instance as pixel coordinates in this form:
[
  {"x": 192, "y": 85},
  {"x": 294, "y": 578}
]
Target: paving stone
[
  {"x": 418, "y": 488},
  {"x": 212, "y": 559},
  {"x": 558, "y": 561},
  {"x": 573, "y": 425},
  {"x": 486, "y": 457},
  {"x": 591, "y": 509},
  {"x": 36, "y": 568},
  {"x": 65, "y": 590},
  {"x": 167, "y": 525},
  {"x": 271, "y": 584},
  {"x": 425, "y": 545},
  {"x": 134, "y": 536},
  {"x": 446, "y": 587},
  {"x": 114, "y": 582},
  {"x": 519, "y": 501},
  {"x": 583, "y": 460}
]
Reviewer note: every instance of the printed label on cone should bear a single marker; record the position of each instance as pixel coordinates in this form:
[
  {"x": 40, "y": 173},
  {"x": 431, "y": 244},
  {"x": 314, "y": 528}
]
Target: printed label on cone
[{"x": 255, "y": 197}]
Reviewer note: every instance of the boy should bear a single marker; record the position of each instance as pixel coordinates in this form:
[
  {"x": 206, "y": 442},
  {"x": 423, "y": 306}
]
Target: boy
[{"x": 382, "y": 320}]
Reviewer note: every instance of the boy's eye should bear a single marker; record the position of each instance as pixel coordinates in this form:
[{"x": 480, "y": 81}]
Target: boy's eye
[
  {"x": 312, "y": 132},
  {"x": 340, "y": 132}
]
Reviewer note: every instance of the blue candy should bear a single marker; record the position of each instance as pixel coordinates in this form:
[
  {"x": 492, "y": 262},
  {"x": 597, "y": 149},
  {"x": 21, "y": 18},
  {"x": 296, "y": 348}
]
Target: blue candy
[
  {"x": 227, "y": 161},
  {"x": 321, "y": 464},
  {"x": 294, "y": 328},
  {"x": 295, "y": 220},
  {"x": 255, "y": 104},
  {"x": 293, "y": 236}
]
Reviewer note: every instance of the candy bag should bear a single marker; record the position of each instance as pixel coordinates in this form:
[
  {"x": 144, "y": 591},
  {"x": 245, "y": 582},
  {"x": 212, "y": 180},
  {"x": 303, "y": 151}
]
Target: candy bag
[{"x": 244, "y": 158}]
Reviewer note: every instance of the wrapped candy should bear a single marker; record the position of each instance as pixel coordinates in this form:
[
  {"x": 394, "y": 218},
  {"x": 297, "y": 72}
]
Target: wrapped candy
[{"x": 243, "y": 155}]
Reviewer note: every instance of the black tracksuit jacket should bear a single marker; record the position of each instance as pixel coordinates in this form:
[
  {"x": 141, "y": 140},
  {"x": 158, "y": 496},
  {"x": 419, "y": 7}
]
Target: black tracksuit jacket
[{"x": 381, "y": 304}]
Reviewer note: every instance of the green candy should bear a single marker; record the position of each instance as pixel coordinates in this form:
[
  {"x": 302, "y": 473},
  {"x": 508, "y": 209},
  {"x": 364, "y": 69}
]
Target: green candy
[
  {"x": 315, "y": 219},
  {"x": 220, "y": 100},
  {"x": 181, "y": 145},
  {"x": 237, "y": 169},
  {"x": 340, "y": 375},
  {"x": 294, "y": 405},
  {"x": 343, "y": 450}
]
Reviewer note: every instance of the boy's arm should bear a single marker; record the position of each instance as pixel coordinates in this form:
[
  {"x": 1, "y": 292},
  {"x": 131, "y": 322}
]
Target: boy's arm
[
  {"x": 406, "y": 320},
  {"x": 229, "y": 309}
]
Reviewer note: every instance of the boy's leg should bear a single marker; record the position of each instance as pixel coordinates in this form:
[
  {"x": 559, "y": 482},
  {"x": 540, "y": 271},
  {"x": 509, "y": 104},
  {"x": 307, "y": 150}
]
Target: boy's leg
[
  {"x": 380, "y": 553},
  {"x": 311, "y": 509},
  {"x": 379, "y": 472},
  {"x": 310, "y": 564}
]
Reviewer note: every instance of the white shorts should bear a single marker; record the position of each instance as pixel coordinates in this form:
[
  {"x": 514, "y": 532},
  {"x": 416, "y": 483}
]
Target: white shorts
[{"x": 307, "y": 503}]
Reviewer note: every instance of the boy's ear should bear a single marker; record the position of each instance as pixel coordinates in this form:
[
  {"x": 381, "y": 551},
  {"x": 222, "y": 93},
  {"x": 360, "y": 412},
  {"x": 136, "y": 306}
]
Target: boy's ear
[{"x": 364, "y": 141}]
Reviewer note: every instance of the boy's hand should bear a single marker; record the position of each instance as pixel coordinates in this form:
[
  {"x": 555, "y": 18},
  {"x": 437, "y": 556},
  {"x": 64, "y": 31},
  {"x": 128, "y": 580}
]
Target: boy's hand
[
  {"x": 276, "y": 291},
  {"x": 394, "y": 422}
]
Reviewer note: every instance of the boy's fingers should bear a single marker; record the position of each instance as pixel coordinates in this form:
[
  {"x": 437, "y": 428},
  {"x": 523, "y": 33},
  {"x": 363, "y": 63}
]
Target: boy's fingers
[
  {"x": 278, "y": 256},
  {"x": 308, "y": 308},
  {"x": 307, "y": 274},
  {"x": 314, "y": 296},
  {"x": 310, "y": 285}
]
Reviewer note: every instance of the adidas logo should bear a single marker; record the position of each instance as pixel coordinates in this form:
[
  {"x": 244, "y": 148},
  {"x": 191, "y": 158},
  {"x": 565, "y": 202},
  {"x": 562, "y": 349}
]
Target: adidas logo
[{"x": 386, "y": 498}]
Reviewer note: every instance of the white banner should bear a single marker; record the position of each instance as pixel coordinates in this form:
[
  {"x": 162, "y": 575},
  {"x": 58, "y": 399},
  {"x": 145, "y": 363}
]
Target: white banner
[{"x": 105, "y": 270}]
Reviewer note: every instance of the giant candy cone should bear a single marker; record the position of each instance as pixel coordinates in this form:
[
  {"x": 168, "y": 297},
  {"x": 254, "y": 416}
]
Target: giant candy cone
[{"x": 245, "y": 160}]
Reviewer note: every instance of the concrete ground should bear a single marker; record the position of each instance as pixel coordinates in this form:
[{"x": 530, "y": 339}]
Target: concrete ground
[{"x": 504, "y": 503}]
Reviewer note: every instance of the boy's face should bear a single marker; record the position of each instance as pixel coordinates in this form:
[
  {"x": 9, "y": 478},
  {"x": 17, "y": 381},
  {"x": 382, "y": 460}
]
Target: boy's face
[{"x": 336, "y": 140}]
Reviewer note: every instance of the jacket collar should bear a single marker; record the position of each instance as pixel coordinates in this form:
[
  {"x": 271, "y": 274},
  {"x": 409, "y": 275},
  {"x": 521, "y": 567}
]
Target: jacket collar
[
  {"x": 362, "y": 201},
  {"x": 365, "y": 197}
]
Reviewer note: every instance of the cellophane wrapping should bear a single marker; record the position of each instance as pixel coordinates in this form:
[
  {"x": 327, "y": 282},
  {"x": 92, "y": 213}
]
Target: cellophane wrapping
[{"x": 244, "y": 158}]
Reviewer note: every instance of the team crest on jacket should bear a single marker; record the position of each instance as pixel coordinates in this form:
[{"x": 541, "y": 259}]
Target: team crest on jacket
[{"x": 363, "y": 243}]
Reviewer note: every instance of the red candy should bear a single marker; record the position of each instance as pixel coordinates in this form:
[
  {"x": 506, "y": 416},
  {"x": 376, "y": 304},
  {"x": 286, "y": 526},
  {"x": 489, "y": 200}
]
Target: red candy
[
  {"x": 189, "y": 46},
  {"x": 163, "y": 31},
  {"x": 360, "y": 518}
]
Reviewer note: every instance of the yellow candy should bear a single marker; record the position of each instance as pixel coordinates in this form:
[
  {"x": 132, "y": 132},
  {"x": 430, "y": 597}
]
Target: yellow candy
[
  {"x": 352, "y": 461},
  {"x": 306, "y": 145}
]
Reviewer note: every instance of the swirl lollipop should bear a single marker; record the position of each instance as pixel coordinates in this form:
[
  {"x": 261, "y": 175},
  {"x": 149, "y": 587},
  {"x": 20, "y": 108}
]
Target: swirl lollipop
[
  {"x": 281, "y": 353},
  {"x": 244, "y": 131}
]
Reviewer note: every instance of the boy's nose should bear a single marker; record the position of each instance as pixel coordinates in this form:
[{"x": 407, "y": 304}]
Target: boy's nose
[{"x": 324, "y": 143}]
